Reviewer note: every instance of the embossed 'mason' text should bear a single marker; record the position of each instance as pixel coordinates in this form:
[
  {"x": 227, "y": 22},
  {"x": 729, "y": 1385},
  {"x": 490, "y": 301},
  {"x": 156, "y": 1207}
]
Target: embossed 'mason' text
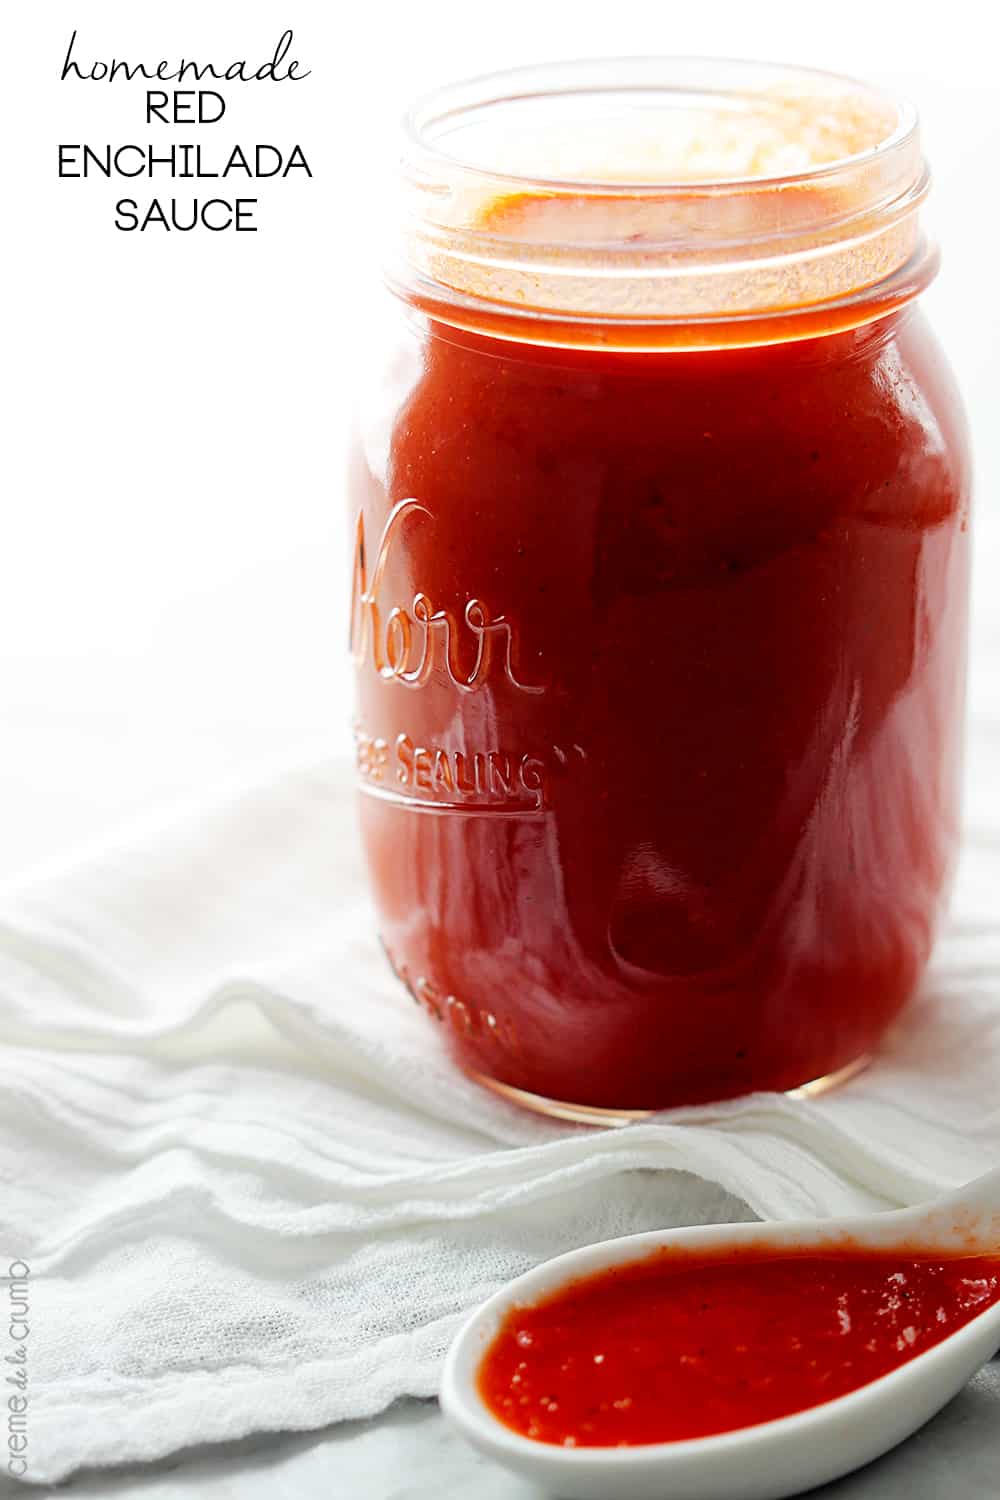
[
  {"x": 407, "y": 642},
  {"x": 465, "y": 1019}
]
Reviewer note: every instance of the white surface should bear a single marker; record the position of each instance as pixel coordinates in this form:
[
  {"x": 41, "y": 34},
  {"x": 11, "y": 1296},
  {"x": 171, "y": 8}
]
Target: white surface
[
  {"x": 169, "y": 585},
  {"x": 773, "y": 1459}
]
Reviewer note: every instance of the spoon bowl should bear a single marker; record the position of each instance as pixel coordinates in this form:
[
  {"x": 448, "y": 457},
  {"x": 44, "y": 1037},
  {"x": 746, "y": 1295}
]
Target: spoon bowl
[{"x": 771, "y": 1459}]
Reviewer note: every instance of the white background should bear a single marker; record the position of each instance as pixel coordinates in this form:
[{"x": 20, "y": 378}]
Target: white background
[{"x": 172, "y": 571}]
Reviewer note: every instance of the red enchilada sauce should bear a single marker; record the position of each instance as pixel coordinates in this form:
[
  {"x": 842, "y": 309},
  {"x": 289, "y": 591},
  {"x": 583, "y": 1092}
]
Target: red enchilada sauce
[
  {"x": 685, "y": 1345},
  {"x": 701, "y": 789},
  {"x": 660, "y": 659}
]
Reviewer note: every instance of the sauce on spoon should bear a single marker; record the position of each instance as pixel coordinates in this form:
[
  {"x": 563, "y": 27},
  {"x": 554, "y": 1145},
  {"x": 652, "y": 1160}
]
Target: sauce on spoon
[{"x": 689, "y": 1344}]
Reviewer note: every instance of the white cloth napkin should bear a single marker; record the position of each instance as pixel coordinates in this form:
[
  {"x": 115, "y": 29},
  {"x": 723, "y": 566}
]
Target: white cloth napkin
[{"x": 251, "y": 1192}]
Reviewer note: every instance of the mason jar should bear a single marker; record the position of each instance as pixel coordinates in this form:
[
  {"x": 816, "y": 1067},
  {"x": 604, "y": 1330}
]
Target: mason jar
[{"x": 659, "y": 518}]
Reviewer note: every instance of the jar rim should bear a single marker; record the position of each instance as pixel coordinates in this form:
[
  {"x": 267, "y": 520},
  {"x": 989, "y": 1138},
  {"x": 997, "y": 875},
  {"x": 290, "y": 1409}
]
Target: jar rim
[
  {"x": 492, "y": 216},
  {"x": 495, "y": 87}
]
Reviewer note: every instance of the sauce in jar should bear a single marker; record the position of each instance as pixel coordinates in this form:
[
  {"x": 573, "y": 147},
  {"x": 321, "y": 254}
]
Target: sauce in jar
[
  {"x": 660, "y": 626},
  {"x": 688, "y": 1344}
]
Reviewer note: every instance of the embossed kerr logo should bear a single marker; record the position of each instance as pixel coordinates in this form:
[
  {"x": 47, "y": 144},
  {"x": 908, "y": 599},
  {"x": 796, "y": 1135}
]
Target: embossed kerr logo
[{"x": 407, "y": 643}]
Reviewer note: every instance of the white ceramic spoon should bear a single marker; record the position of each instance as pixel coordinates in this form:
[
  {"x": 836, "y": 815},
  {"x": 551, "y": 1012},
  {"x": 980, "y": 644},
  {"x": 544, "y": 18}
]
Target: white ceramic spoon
[{"x": 772, "y": 1459}]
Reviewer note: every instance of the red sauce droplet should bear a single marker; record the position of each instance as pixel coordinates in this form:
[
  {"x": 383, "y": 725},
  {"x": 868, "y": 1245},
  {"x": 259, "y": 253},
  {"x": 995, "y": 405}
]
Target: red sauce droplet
[{"x": 686, "y": 1344}]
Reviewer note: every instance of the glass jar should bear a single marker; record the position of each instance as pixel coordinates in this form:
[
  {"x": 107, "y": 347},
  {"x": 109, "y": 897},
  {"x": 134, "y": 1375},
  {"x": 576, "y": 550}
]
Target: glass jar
[{"x": 659, "y": 518}]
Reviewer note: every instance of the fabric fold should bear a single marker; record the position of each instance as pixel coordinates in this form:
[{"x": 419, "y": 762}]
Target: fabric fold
[{"x": 253, "y": 1192}]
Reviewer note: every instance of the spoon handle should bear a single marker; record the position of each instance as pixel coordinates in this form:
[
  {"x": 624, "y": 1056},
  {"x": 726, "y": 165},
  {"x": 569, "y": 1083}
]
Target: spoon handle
[{"x": 967, "y": 1221}]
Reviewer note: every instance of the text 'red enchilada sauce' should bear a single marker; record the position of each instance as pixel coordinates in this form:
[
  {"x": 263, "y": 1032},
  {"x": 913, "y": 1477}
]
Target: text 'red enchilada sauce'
[
  {"x": 684, "y": 1345},
  {"x": 660, "y": 662}
]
